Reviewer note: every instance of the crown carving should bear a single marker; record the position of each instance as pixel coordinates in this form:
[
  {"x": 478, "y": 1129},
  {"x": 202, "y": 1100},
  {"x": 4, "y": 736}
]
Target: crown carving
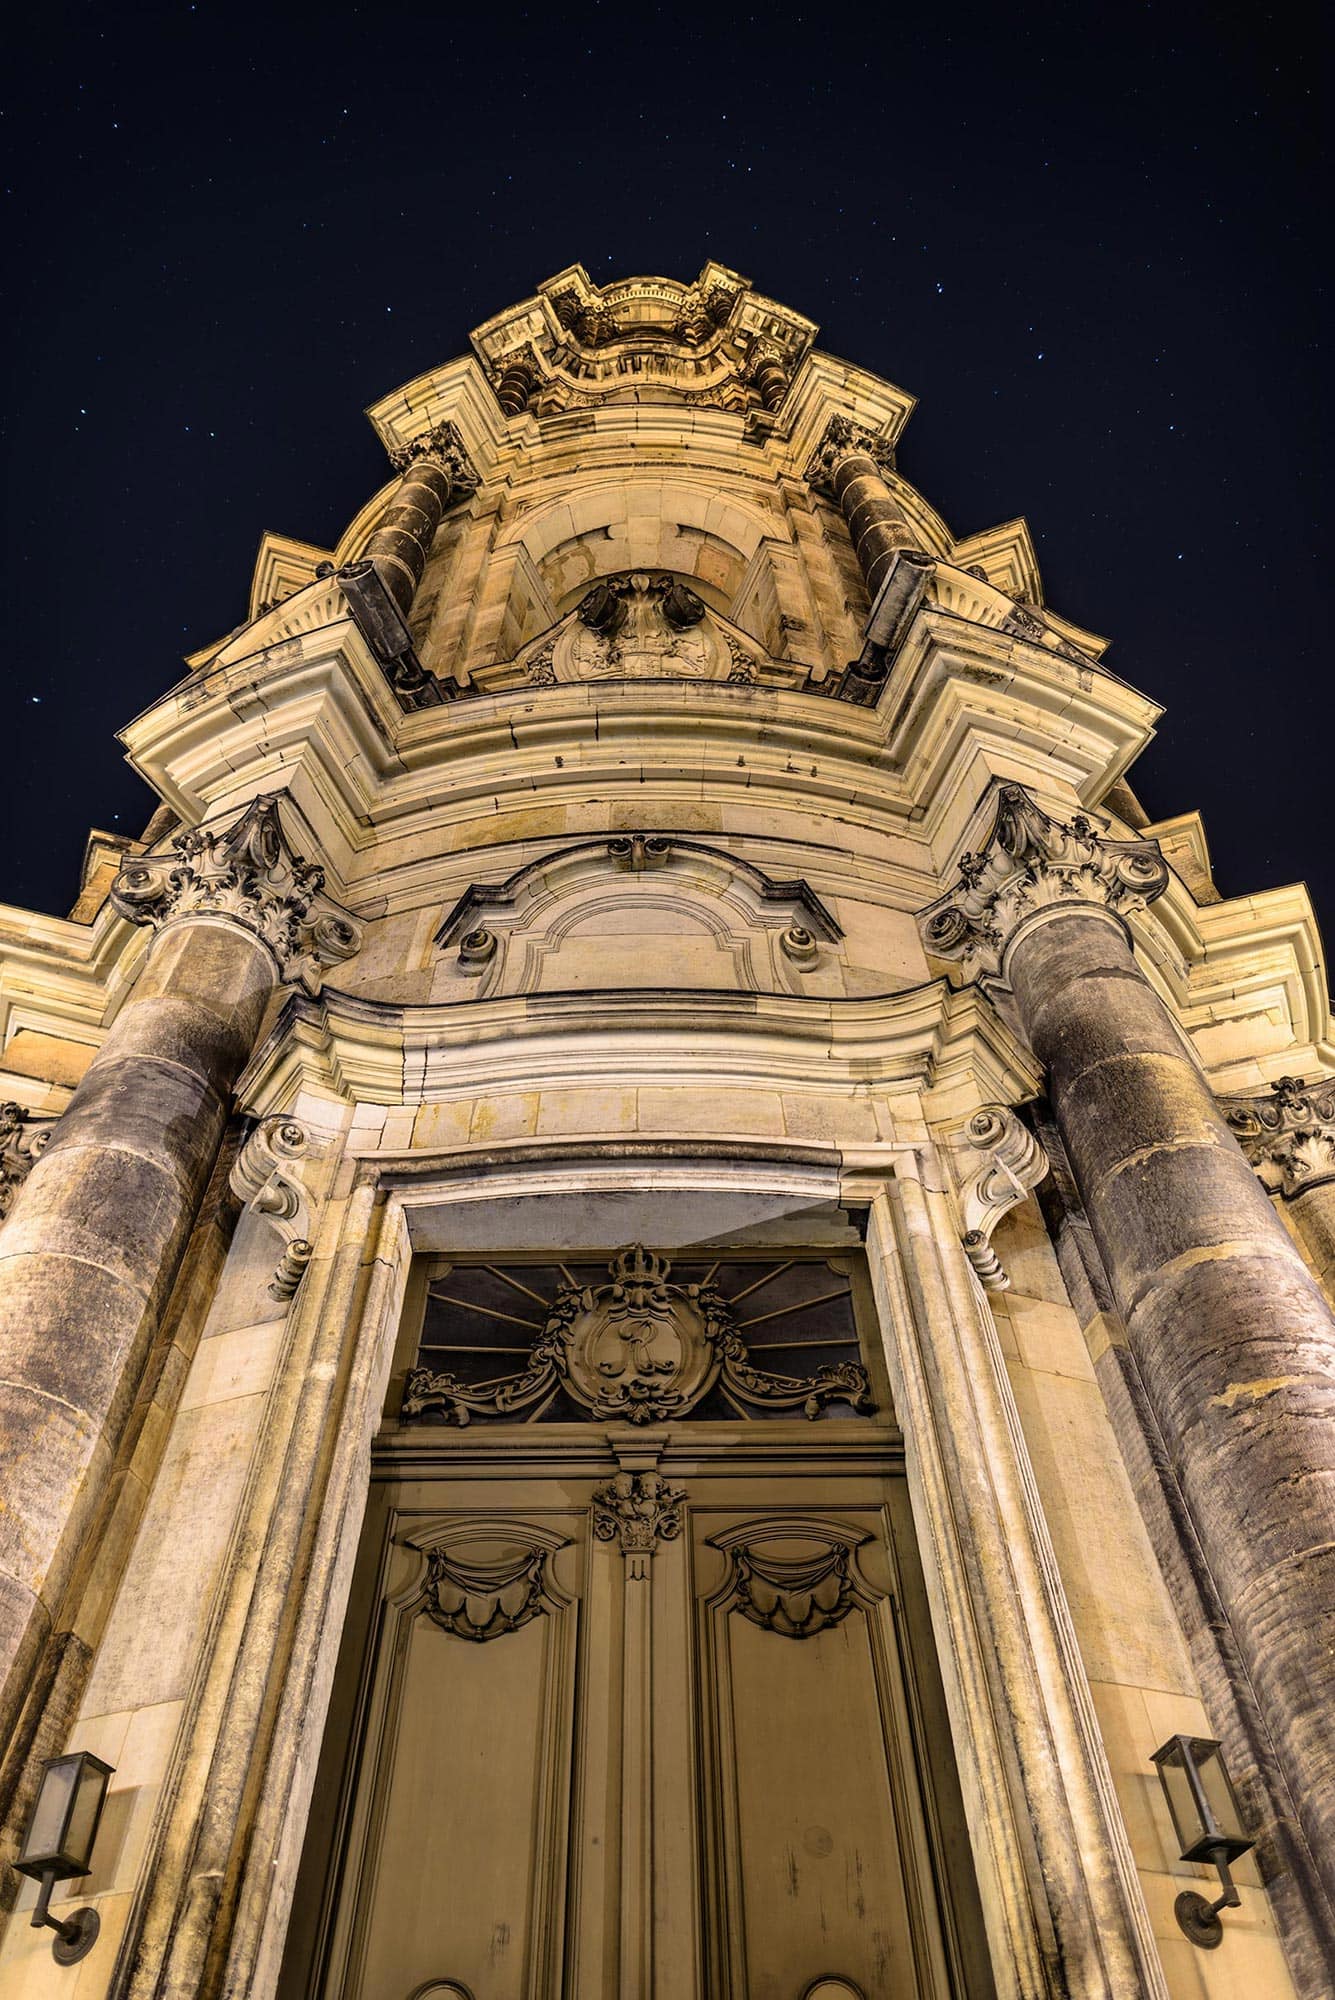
[
  {"x": 1031, "y": 867},
  {"x": 244, "y": 874},
  {"x": 1288, "y": 1133},
  {"x": 441, "y": 446},
  {"x": 841, "y": 438}
]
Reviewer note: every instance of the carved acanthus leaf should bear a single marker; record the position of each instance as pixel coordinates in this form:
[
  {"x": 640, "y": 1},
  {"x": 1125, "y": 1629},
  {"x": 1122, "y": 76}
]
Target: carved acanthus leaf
[
  {"x": 1031, "y": 865},
  {"x": 1013, "y": 1164},
  {"x": 266, "y": 1178},
  {"x": 444, "y": 447},
  {"x": 245, "y": 874},
  {"x": 23, "y": 1139},
  {"x": 639, "y": 1510},
  {"x": 839, "y": 440},
  {"x": 1288, "y": 1133}
]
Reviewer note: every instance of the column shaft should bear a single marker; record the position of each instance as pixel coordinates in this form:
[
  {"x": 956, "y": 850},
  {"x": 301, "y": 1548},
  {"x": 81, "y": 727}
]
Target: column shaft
[
  {"x": 403, "y": 535},
  {"x": 89, "y": 1255},
  {"x": 1314, "y": 1213},
  {"x": 875, "y": 523},
  {"x": 1234, "y": 1340}
]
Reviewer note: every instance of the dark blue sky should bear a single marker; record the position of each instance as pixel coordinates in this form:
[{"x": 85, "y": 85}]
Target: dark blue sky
[{"x": 1083, "y": 238}]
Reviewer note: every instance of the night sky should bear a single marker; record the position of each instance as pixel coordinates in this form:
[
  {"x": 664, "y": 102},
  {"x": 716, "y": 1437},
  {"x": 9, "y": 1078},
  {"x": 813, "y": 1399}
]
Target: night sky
[{"x": 1084, "y": 239}]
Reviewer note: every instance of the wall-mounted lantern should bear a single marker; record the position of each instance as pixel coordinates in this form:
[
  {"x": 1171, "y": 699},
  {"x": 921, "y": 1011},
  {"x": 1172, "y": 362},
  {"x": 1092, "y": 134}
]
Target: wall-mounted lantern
[
  {"x": 58, "y": 1844},
  {"x": 1208, "y": 1826}
]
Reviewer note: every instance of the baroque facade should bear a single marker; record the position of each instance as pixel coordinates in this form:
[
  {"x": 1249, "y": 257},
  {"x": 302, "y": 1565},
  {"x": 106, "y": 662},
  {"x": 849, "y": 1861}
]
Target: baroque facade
[{"x": 665, "y": 1295}]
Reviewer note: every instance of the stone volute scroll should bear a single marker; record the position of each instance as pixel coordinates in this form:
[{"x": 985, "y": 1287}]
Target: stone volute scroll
[
  {"x": 23, "y": 1139},
  {"x": 1013, "y": 1164},
  {"x": 243, "y": 873},
  {"x": 266, "y": 1178}
]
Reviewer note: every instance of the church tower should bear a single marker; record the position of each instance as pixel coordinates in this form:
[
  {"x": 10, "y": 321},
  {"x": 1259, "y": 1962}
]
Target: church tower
[{"x": 666, "y": 1291}]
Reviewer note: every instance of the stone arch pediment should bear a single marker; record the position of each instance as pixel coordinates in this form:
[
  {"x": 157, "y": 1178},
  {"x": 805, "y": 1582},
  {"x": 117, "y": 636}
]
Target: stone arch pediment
[{"x": 643, "y": 911}]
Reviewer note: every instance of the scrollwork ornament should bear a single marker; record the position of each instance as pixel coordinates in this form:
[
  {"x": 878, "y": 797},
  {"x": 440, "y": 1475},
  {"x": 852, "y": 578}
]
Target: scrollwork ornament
[
  {"x": 638, "y": 1349},
  {"x": 1029, "y": 865},
  {"x": 244, "y": 874},
  {"x": 1287, "y": 1133}
]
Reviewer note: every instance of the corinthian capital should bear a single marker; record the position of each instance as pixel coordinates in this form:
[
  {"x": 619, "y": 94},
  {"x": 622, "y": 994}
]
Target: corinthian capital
[
  {"x": 1288, "y": 1133},
  {"x": 444, "y": 447},
  {"x": 840, "y": 439},
  {"x": 1031, "y": 867},
  {"x": 23, "y": 1137},
  {"x": 243, "y": 874}
]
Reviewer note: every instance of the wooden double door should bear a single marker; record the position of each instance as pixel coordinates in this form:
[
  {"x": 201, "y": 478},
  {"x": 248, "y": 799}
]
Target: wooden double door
[{"x": 637, "y": 1713}]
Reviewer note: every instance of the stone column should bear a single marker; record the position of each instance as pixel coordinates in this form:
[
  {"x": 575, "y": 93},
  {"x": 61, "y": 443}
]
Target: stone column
[
  {"x": 1288, "y": 1134},
  {"x": 849, "y": 466},
  {"x": 517, "y": 385},
  {"x": 433, "y": 470},
  {"x": 89, "y": 1254},
  {"x": 1233, "y": 1337}
]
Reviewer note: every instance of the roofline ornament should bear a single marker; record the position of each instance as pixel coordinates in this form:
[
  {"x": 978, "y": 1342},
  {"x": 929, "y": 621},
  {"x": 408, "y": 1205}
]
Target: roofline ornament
[{"x": 1032, "y": 867}]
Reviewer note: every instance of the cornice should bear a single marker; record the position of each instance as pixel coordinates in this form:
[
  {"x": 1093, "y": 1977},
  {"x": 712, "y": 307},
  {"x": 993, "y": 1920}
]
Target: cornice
[{"x": 924, "y": 1038}]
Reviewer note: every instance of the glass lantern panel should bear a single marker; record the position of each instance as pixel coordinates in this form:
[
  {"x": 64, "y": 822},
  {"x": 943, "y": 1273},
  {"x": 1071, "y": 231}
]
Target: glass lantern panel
[
  {"x": 88, "y": 1796},
  {"x": 45, "y": 1839},
  {"x": 1181, "y": 1800},
  {"x": 1220, "y": 1802}
]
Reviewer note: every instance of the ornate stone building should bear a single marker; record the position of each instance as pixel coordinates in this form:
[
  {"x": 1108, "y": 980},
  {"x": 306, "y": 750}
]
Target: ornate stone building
[{"x": 665, "y": 1299}]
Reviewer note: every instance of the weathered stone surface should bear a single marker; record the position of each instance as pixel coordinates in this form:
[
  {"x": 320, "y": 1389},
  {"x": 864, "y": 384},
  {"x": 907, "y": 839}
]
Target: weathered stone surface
[
  {"x": 1234, "y": 1338},
  {"x": 87, "y": 1264}
]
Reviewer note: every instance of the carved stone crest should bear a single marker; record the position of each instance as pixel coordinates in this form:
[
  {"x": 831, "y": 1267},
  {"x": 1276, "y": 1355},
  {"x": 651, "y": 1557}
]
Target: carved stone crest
[{"x": 637, "y": 1349}]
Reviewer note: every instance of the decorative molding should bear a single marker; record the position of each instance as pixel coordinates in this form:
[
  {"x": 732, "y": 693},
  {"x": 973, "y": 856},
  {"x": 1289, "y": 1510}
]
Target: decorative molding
[
  {"x": 639, "y": 1510},
  {"x": 444, "y": 447},
  {"x": 244, "y": 874},
  {"x": 1013, "y": 1165},
  {"x": 264, "y": 1178},
  {"x": 24, "y": 1136},
  {"x": 840, "y": 439},
  {"x": 793, "y": 1575},
  {"x": 714, "y": 343},
  {"x": 640, "y": 1349},
  {"x": 480, "y": 1600},
  {"x": 1288, "y": 1133},
  {"x": 1032, "y": 867}
]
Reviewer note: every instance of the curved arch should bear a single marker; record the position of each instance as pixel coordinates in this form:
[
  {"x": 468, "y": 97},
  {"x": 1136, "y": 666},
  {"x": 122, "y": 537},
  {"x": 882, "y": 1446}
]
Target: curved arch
[{"x": 540, "y": 881}]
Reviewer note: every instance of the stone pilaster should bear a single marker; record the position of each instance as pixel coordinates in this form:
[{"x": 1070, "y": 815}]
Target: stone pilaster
[
  {"x": 849, "y": 466},
  {"x": 1288, "y": 1134},
  {"x": 433, "y": 470},
  {"x": 1233, "y": 1338},
  {"x": 88, "y": 1258}
]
